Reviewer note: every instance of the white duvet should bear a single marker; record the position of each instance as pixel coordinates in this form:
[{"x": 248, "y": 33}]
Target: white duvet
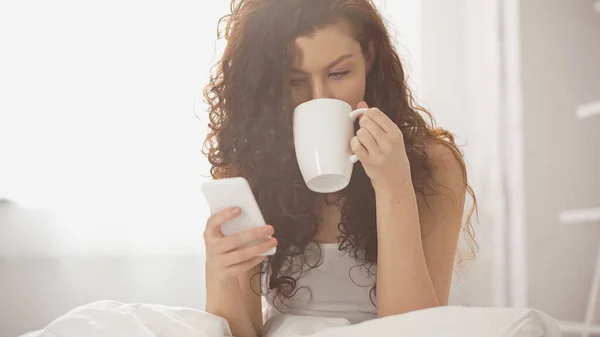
[{"x": 114, "y": 319}]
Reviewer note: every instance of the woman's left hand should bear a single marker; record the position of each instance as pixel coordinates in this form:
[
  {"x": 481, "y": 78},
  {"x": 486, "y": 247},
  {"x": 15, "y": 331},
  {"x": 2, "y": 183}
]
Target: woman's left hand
[{"x": 379, "y": 145}]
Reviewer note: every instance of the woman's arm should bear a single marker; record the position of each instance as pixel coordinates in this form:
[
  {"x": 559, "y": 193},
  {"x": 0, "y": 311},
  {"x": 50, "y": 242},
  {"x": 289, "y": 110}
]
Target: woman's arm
[
  {"x": 229, "y": 268},
  {"x": 418, "y": 236},
  {"x": 223, "y": 300},
  {"x": 236, "y": 302},
  {"x": 250, "y": 283}
]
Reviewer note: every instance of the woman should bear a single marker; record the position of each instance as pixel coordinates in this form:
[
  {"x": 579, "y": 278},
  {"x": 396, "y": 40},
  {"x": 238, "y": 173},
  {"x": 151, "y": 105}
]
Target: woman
[{"x": 386, "y": 244}]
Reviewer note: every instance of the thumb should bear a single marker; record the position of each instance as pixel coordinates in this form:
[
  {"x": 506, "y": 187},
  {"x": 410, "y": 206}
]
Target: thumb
[{"x": 362, "y": 104}]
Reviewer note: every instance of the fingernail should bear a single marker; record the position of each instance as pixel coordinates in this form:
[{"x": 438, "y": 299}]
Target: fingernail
[
  {"x": 266, "y": 229},
  {"x": 236, "y": 211},
  {"x": 274, "y": 241}
]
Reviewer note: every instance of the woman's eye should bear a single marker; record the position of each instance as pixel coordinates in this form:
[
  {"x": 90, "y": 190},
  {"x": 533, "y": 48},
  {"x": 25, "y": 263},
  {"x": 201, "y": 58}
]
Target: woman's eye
[{"x": 339, "y": 74}]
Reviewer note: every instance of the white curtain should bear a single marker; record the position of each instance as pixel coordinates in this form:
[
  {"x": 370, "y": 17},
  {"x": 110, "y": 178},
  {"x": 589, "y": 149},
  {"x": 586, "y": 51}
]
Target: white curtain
[{"x": 99, "y": 143}]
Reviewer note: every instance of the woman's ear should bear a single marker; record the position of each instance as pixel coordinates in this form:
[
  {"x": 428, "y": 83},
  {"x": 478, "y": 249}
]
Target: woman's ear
[{"x": 370, "y": 55}]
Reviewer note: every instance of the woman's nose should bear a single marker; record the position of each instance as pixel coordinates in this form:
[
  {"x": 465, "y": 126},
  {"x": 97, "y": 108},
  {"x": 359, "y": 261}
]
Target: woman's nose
[{"x": 320, "y": 90}]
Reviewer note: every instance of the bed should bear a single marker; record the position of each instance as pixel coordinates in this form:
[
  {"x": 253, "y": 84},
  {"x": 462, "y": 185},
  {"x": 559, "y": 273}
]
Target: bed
[{"x": 115, "y": 319}]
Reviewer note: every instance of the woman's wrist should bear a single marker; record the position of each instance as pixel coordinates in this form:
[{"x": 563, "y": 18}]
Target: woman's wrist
[
  {"x": 400, "y": 190},
  {"x": 396, "y": 206}
]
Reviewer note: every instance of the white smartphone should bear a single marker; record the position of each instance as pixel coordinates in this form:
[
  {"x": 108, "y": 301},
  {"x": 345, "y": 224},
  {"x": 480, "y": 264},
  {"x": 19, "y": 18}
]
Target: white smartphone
[{"x": 235, "y": 192}]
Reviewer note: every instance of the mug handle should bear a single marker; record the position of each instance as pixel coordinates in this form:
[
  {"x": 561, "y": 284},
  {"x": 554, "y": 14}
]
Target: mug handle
[{"x": 354, "y": 115}]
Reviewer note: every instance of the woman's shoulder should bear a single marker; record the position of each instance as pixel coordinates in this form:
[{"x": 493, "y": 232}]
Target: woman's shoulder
[
  {"x": 444, "y": 193},
  {"x": 445, "y": 162}
]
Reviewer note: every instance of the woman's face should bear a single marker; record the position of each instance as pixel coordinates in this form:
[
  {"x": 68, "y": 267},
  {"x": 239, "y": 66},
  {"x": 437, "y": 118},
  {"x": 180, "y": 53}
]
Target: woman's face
[{"x": 328, "y": 64}]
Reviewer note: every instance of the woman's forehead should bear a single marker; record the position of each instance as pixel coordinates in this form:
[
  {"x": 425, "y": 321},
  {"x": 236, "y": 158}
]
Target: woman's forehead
[{"x": 323, "y": 45}]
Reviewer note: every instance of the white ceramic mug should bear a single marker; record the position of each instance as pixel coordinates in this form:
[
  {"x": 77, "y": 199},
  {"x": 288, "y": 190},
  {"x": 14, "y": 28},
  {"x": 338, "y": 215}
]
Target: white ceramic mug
[{"x": 323, "y": 129}]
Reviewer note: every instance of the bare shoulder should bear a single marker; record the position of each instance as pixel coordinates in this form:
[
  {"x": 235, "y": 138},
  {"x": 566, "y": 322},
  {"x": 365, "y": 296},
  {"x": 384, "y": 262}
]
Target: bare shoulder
[
  {"x": 447, "y": 167},
  {"x": 443, "y": 197}
]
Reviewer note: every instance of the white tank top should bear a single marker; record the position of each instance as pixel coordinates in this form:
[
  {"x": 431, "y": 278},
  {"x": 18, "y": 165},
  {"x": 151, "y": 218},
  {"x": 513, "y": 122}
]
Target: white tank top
[{"x": 338, "y": 288}]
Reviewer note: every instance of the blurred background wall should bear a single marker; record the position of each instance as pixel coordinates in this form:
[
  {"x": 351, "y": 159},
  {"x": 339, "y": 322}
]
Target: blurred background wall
[{"x": 560, "y": 81}]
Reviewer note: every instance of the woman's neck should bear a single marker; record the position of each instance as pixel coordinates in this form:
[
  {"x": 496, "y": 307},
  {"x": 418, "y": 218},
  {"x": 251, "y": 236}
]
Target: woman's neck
[{"x": 328, "y": 210}]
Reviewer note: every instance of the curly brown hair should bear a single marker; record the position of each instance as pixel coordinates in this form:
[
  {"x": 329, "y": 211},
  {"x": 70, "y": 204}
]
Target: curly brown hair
[{"x": 250, "y": 128}]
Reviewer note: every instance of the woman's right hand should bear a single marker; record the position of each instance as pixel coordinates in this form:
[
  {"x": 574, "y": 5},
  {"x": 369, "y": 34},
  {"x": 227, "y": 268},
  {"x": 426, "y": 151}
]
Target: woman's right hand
[{"x": 223, "y": 256}]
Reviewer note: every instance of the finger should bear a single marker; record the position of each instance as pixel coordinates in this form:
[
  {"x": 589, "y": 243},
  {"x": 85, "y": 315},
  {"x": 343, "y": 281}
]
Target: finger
[
  {"x": 241, "y": 255},
  {"x": 358, "y": 148},
  {"x": 381, "y": 119},
  {"x": 374, "y": 129},
  {"x": 368, "y": 141},
  {"x": 233, "y": 242},
  {"x": 362, "y": 105},
  {"x": 242, "y": 267},
  {"x": 213, "y": 225}
]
